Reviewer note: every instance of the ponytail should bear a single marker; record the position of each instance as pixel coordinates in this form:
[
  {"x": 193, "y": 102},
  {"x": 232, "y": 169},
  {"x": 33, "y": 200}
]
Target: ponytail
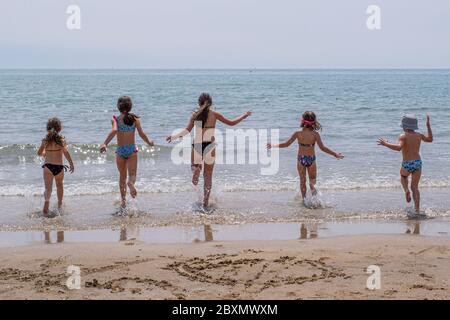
[
  {"x": 54, "y": 127},
  {"x": 204, "y": 102},
  {"x": 124, "y": 104}
]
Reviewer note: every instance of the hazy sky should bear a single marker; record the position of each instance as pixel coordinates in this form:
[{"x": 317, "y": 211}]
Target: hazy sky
[{"x": 225, "y": 34}]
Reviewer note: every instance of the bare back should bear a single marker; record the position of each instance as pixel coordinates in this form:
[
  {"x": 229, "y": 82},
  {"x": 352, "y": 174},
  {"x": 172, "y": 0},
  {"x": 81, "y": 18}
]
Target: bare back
[
  {"x": 411, "y": 145},
  {"x": 54, "y": 153},
  {"x": 306, "y": 142},
  {"x": 209, "y": 127}
]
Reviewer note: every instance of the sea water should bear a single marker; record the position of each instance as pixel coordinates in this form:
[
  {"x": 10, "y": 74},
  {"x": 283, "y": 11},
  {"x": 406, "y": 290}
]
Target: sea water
[{"x": 355, "y": 107}]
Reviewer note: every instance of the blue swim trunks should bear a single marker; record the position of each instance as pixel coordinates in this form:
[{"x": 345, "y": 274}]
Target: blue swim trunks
[
  {"x": 306, "y": 161},
  {"x": 126, "y": 151},
  {"x": 412, "y": 165}
]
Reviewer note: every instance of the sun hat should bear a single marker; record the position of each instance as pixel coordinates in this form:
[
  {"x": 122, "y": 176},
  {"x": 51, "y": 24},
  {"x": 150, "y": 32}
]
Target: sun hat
[{"x": 409, "y": 122}]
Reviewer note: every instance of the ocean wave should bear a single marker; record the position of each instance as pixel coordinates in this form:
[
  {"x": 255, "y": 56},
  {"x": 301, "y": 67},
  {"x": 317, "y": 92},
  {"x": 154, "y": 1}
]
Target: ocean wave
[
  {"x": 168, "y": 186},
  {"x": 87, "y": 153}
]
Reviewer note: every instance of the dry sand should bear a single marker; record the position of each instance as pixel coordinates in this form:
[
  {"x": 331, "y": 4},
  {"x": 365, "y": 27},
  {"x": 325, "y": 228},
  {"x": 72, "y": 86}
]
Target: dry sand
[{"x": 413, "y": 267}]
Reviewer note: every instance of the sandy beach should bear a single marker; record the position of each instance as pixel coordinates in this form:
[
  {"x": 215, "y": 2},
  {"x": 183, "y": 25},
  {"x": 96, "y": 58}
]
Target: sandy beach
[{"x": 412, "y": 267}]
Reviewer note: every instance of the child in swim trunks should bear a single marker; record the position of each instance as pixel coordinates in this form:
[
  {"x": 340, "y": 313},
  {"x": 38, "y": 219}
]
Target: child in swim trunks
[
  {"x": 409, "y": 144},
  {"x": 52, "y": 148},
  {"x": 124, "y": 126},
  {"x": 307, "y": 137}
]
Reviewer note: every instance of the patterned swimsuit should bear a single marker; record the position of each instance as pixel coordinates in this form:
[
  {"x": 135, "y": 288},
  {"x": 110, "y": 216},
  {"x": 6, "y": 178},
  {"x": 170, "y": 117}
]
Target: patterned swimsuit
[
  {"x": 412, "y": 165},
  {"x": 307, "y": 161},
  {"x": 127, "y": 150}
]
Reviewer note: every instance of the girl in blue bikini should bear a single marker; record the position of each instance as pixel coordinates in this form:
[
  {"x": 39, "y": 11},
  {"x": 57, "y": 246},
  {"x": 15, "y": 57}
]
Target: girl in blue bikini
[
  {"x": 124, "y": 126},
  {"x": 307, "y": 137}
]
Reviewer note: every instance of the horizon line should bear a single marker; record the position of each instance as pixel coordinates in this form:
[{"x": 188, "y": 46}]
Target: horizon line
[{"x": 228, "y": 69}]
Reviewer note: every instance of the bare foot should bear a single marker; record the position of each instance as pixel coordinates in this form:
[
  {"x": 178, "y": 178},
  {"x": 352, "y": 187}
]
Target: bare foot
[
  {"x": 123, "y": 204},
  {"x": 408, "y": 196},
  {"x": 45, "y": 211},
  {"x": 60, "y": 205},
  {"x": 195, "y": 175},
  {"x": 313, "y": 191},
  {"x": 133, "y": 191}
]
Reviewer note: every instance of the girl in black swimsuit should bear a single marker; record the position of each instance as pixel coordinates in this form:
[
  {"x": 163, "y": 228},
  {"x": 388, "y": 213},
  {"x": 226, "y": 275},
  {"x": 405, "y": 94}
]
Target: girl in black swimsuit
[
  {"x": 203, "y": 148},
  {"x": 53, "y": 148}
]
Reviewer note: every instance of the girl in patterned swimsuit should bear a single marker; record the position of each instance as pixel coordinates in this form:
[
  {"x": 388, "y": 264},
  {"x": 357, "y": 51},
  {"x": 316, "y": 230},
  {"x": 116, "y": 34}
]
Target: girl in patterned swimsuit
[
  {"x": 124, "y": 126},
  {"x": 53, "y": 148},
  {"x": 409, "y": 144},
  {"x": 307, "y": 137}
]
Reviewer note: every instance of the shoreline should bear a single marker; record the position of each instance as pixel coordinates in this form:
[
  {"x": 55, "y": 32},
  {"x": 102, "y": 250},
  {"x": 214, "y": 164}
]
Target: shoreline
[
  {"x": 213, "y": 232},
  {"x": 412, "y": 267},
  {"x": 184, "y": 209}
]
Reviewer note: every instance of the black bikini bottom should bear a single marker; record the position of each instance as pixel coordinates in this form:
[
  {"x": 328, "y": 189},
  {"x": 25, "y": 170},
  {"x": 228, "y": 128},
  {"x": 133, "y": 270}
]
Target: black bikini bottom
[
  {"x": 204, "y": 145},
  {"x": 55, "y": 169}
]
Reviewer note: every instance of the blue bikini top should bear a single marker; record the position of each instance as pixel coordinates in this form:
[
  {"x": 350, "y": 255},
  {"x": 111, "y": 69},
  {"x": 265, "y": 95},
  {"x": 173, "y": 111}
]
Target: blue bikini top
[{"x": 122, "y": 127}]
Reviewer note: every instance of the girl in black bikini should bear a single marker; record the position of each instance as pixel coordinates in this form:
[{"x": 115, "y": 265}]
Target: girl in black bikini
[
  {"x": 307, "y": 137},
  {"x": 53, "y": 148},
  {"x": 203, "y": 148}
]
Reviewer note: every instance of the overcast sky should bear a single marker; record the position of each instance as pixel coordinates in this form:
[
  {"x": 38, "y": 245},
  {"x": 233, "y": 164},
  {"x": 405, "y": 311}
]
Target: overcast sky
[{"x": 225, "y": 34}]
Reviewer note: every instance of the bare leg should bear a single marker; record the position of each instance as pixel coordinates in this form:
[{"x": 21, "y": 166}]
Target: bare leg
[
  {"x": 48, "y": 181},
  {"x": 207, "y": 176},
  {"x": 302, "y": 173},
  {"x": 404, "y": 180},
  {"x": 415, "y": 189},
  {"x": 122, "y": 167},
  {"x": 196, "y": 167},
  {"x": 59, "y": 179},
  {"x": 132, "y": 172},
  {"x": 312, "y": 174}
]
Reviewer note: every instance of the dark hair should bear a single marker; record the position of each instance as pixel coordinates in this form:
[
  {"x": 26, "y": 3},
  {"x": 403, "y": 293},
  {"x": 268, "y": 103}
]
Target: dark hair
[
  {"x": 124, "y": 104},
  {"x": 204, "y": 103},
  {"x": 309, "y": 120},
  {"x": 54, "y": 127}
]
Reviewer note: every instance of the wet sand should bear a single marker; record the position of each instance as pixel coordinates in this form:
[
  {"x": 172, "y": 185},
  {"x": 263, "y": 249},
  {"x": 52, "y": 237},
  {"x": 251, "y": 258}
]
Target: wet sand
[
  {"x": 412, "y": 267},
  {"x": 218, "y": 232}
]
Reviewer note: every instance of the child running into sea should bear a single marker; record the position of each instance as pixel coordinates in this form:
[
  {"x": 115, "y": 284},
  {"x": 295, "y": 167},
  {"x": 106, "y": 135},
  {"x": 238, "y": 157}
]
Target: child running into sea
[
  {"x": 203, "y": 154},
  {"x": 307, "y": 138},
  {"x": 124, "y": 126},
  {"x": 52, "y": 148},
  {"x": 409, "y": 144}
]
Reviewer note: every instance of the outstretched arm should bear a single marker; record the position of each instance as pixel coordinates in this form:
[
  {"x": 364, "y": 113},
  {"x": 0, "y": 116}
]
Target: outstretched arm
[
  {"x": 285, "y": 144},
  {"x": 110, "y": 136},
  {"x": 232, "y": 122},
  {"x": 67, "y": 155},
  {"x": 183, "y": 132},
  {"x": 429, "y": 136},
  {"x": 142, "y": 134},
  {"x": 392, "y": 146},
  {"x": 325, "y": 149}
]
